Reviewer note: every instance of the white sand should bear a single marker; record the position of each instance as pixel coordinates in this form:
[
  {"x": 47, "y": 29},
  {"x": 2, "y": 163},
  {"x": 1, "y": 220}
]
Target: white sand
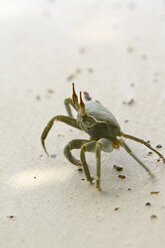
[{"x": 42, "y": 43}]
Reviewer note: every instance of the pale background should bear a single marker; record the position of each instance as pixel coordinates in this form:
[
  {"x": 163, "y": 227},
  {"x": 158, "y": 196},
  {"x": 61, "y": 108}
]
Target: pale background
[{"x": 115, "y": 51}]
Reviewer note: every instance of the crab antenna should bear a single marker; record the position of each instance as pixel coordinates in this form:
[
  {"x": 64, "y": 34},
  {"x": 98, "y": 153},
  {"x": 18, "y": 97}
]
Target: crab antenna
[
  {"x": 74, "y": 96},
  {"x": 82, "y": 105}
]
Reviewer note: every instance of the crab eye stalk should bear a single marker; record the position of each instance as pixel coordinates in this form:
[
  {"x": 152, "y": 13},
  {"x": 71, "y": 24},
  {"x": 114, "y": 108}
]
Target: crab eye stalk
[
  {"x": 74, "y": 96},
  {"x": 82, "y": 105}
]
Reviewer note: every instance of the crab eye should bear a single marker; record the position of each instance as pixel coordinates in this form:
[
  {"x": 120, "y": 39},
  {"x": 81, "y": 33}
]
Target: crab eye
[
  {"x": 82, "y": 105},
  {"x": 74, "y": 96}
]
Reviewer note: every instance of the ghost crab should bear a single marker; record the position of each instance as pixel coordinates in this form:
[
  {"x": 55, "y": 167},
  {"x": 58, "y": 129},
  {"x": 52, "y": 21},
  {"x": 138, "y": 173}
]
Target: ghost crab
[{"x": 103, "y": 129}]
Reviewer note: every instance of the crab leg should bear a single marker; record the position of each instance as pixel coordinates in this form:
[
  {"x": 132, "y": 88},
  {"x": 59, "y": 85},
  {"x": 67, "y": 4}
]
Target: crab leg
[
  {"x": 126, "y": 147},
  {"x": 144, "y": 143},
  {"x": 66, "y": 119},
  {"x": 106, "y": 146},
  {"x": 68, "y": 102},
  {"x": 88, "y": 147},
  {"x": 95, "y": 146},
  {"x": 73, "y": 144}
]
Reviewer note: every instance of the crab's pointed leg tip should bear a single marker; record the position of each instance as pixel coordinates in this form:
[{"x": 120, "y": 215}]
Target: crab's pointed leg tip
[
  {"x": 152, "y": 175},
  {"x": 99, "y": 189},
  {"x": 43, "y": 145},
  {"x": 46, "y": 152}
]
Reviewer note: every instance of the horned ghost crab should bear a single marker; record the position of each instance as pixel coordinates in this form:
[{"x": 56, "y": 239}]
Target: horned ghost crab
[{"x": 104, "y": 134}]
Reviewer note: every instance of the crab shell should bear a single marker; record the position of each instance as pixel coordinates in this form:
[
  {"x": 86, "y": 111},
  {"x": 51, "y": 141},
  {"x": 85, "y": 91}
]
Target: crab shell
[{"x": 98, "y": 121}]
